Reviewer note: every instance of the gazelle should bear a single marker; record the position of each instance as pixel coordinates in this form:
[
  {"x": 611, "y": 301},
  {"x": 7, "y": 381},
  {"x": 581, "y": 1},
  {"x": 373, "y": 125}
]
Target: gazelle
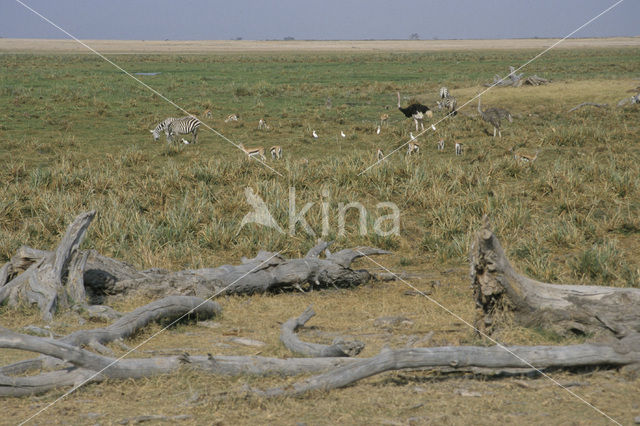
[
  {"x": 276, "y": 152},
  {"x": 262, "y": 125},
  {"x": 252, "y": 152},
  {"x": 459, "y": 148},
  {"x": 526, "y": 158},
  {"x": 207, "y": 113},
  {"x": 414, "y": 148},
  {"x": 441, "y": 145},
  {"x": 384, "y": 119},
  {"x": 380, "y": 155},
  {"x": 232, "y": 117}
]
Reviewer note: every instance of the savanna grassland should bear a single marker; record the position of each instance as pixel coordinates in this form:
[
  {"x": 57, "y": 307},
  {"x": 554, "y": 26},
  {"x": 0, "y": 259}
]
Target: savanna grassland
[{"x": 74, "y": 136}]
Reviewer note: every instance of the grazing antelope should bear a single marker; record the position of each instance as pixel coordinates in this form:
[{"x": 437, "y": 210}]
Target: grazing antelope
[
  {"x": 526, "y": 158},
  {"x": 380, "y": 155},
  {"x": 232, "y": 117},
  {"x": 252, "y": 152},
  {"x": 441, "y": 145},
  {"x": 262, "y": 125},
  {"x": 207, "y": 113},
  {"x": 414, "y": 148},
  {"x": 384, "y": 119},
  {"x": 459, "y": 147},
  {"x": 276, "y": 152}
]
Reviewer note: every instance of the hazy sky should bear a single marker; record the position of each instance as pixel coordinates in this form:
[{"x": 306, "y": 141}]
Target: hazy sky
[{"x": 317, "y": 19}]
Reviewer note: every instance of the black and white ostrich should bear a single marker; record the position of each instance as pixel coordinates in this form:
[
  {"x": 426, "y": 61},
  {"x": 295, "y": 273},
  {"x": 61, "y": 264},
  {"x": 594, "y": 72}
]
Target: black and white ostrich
[
  {"x": 494, "y": 116},
  {"x": 416, "y": 111}
]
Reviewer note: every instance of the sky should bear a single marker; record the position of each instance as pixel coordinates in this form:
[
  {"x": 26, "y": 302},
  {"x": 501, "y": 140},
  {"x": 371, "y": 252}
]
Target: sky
[{"x": 317, "y": 19}]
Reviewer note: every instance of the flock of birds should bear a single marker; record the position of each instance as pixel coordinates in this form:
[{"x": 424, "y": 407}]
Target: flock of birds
[{"x": 416, "y": 111}]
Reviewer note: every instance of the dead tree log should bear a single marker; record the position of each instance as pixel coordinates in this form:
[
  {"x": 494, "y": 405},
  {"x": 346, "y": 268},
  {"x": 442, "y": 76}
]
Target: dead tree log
[
  {"x": 516, "y": 80},
  {"x": 167, "y": 309},
  {"x": 538, "y": 357},
  {"x": 563, "y": 308},
  {"x": 57, "y": 279},
  {"x": 91, "y": 367},
  {"x": 339, "y": 347},
  {"x": 67, "y": 276},
  {"x": 588, "y": 104}
]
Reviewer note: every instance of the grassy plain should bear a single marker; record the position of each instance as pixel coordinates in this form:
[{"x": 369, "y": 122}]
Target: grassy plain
[{"x": 74, "y": 136}]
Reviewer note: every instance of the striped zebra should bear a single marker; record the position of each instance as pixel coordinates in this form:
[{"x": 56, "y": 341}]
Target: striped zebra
[
  {"x": 449, "y": 103},
  {"x": 183, "y": 126},
  {"x": 444, "y": 92},
  {"x": 162, "y": 127}
]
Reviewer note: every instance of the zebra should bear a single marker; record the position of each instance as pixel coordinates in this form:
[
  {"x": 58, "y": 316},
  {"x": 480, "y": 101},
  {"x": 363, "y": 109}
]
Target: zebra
[
  {"x": 450, "y": 103},
  {"x": 163, "y": 126},
  {"x": 183, "y": 126},
  {"x": 444, "y": 92}
]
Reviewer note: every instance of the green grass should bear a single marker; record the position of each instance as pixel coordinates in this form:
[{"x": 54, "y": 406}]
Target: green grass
[{"x": 74, "y": 136}]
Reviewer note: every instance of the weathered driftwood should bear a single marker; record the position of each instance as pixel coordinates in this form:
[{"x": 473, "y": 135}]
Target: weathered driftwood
[
  {"x": 516, "y": 80},
  {"x": 91, "y": 367},
  {"x": 167, "y": 309},
  {"x": 632, "y": 100},
  {"x": 56, "y": 279},
  {"x": 339, "y": 347},
  {"x": 563, "y": 308},
  {"x": 69, "y": 277},
  {"x": 588, "y": 104},
  {"x": 494, "y": 357}
]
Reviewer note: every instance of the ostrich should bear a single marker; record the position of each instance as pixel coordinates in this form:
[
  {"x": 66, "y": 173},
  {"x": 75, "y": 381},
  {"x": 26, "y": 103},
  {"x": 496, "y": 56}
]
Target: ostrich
[
  {"x": 494, "y": 116},
  {"x": 416, "y": 111}
]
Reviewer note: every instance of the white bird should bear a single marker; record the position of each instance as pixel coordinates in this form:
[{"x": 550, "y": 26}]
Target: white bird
[
  {"x": 186, "y": 142},
  {"x": 378, "y": 131},
  {"x": 315, "y": 135},
  {"x": 413, "y": 138},
  {"x": 342, "y": 134}
]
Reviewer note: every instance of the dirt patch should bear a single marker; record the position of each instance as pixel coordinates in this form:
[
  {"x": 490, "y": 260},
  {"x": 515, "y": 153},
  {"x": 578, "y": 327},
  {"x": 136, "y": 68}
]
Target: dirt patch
[{"x": 228, "y": 46}]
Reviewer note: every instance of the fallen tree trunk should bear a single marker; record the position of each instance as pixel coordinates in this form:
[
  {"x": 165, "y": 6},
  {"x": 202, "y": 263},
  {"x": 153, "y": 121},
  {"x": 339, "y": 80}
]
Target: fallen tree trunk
[
  {"x": 339, "y": 347},
  {"x": 90, "y": 367},
  {"x": 562, "y": 308},
  {"x": 44, "y": 282},
  {"x": 538, "y": 357},
  {"x": 588, "y": 104},
  {"x": 167, "y": 309},
  {"x": 70, "y": 277}
]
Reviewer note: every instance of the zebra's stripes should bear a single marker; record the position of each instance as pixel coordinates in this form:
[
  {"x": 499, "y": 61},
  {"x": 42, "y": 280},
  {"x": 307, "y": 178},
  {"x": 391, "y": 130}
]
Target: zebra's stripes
[
  {"x": 183, "y": 126},
  {"x": 449, "y": 103},
  {"x": 163, "y": 126},
  {"x": 444, "y": 92}
]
